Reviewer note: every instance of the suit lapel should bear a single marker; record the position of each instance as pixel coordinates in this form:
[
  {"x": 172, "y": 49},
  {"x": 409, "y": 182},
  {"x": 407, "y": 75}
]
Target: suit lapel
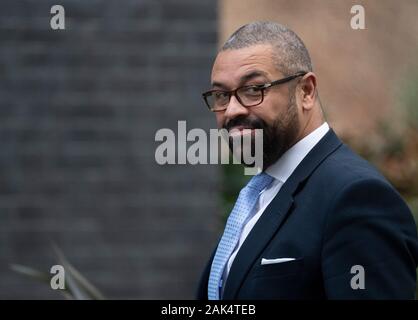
[
  {"x": 258, "y": 238},
  {"x": 275, "y": 214}
]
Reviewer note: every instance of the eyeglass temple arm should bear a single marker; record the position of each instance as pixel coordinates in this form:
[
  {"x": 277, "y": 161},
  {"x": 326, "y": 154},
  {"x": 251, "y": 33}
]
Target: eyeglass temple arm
[{"x": 302, "y": 73}]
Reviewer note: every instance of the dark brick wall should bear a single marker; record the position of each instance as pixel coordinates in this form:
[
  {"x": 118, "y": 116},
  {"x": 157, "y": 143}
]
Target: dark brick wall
[{"x": 79, "y": 109}]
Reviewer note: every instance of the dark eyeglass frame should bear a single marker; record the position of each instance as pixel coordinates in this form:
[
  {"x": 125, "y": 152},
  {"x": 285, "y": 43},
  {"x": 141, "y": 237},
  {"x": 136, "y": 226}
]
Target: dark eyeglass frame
[{"x": 261, "y": 87}]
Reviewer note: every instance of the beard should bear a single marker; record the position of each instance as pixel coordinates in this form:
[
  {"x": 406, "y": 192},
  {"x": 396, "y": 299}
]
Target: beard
[{"x": 277, "y": 137}]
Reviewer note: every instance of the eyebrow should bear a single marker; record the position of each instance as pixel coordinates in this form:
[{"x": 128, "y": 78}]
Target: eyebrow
[{"x": 245, "y": 78}]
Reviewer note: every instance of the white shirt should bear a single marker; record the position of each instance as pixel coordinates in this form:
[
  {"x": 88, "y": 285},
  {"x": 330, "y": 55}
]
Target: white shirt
[{"x": 281, "y": 170}]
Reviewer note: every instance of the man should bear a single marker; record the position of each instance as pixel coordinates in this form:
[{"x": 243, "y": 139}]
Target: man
[{"x": 319, "y": 222}]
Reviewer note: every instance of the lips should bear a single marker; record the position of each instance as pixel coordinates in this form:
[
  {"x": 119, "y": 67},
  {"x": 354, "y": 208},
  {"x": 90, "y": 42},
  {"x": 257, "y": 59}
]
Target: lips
[{"x": 240, "y": 130}]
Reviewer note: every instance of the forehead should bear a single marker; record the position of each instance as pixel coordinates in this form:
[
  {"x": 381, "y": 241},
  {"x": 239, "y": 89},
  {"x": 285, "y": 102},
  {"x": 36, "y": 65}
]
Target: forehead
[{"x": 232, "y": 65}]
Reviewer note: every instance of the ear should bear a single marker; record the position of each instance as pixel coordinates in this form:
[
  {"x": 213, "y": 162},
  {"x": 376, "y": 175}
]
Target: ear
[{"x": 307, "y": 91}]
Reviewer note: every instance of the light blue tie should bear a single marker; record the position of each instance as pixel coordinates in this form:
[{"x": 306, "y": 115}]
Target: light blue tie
[{"x": 245, "y": 204}]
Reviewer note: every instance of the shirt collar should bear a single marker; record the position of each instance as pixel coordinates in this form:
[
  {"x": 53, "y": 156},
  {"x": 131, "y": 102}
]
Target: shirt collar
[{"x": 288, "y": 162}]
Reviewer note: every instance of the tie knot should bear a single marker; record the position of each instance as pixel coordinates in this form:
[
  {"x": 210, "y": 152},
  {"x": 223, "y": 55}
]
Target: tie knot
[{"x": 260, "y": 181}]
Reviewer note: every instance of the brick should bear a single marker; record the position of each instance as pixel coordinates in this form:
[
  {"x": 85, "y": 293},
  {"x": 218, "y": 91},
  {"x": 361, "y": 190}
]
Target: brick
[{"x": 79, "y": 112}]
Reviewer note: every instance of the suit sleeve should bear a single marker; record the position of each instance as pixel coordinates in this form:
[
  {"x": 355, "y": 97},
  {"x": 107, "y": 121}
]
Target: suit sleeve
[{"x": 369, "y": 228}]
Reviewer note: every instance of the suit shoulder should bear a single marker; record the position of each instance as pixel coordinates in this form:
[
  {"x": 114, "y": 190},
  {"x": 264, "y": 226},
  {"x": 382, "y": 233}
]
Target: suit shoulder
[
  {"x": 344, "y": 167},
  {"x": 353, "y": 181}
]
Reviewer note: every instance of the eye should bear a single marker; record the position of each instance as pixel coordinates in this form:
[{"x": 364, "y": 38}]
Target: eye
[
  {"x": 252, "y": 90},
  {"x": 221, "y": 95}
]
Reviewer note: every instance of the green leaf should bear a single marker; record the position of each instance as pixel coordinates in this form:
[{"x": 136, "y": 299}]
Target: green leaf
[
  {"x": 77, "y": 283},
  {"x": 31, "y": 272}
]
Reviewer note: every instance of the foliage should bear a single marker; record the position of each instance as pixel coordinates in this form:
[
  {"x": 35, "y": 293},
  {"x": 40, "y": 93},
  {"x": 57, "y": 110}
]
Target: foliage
[{"x": 77, "y": 287}]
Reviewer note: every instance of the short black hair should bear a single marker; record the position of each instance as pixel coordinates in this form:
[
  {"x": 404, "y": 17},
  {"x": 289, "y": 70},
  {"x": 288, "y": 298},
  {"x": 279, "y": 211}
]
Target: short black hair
[{"x": 289, "y": 52}]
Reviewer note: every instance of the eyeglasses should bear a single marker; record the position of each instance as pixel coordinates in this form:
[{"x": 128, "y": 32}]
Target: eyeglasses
[{"x": 248, "y": 96}]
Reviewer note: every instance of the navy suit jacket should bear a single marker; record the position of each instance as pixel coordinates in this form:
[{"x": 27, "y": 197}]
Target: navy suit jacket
[{"x": 334, "y": 212}]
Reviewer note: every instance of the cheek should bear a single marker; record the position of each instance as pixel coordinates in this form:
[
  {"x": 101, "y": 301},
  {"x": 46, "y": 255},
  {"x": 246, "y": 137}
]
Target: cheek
[
  {"x": 266, "y": 112},
  {"x": 272, "y": 109}
]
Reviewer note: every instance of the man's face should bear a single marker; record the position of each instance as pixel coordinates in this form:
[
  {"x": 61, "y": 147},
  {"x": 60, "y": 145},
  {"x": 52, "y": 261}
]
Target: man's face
[{"x": 277, "y": 115}]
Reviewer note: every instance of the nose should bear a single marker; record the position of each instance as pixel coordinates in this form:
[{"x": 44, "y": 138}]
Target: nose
[{"x": 235, "y": 108}]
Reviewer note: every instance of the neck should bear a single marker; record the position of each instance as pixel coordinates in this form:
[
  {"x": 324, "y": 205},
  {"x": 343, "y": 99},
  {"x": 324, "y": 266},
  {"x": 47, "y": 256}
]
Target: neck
[{"x": 314, "y": 121}]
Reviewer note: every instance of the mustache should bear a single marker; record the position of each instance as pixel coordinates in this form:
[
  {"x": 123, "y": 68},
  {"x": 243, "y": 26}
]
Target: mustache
[{"x": 244, "y": 122}]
